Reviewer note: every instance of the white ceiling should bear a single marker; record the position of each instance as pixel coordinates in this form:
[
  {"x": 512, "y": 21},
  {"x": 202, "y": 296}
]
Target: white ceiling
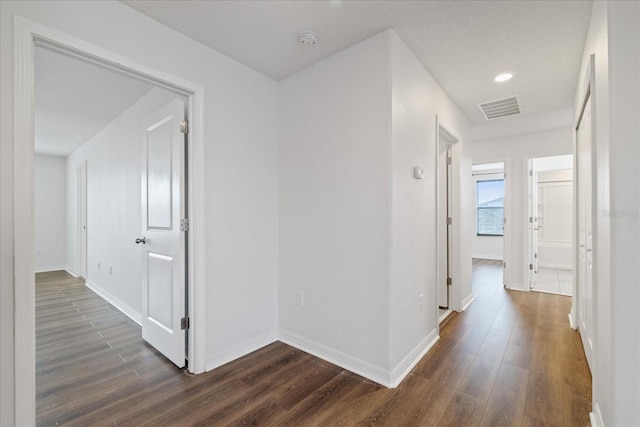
[
  {"x": 463, "y": 44},
  {"x": 75, "y": 99}
]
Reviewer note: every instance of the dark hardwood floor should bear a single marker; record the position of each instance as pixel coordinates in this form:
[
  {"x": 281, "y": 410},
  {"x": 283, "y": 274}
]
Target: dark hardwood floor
[{"x": 509, "y": 359}]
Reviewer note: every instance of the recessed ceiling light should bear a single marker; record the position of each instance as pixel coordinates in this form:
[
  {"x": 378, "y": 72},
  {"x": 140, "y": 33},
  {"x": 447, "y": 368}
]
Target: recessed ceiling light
[{"x": 503, "y": 77}]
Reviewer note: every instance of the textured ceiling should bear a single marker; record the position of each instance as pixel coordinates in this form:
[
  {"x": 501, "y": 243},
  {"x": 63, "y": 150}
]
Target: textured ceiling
[
  {"x": 464, "y": 44},
  {"x": 75, "y": 99}
]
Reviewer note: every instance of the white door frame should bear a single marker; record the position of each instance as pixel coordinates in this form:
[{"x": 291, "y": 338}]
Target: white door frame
[
  {"x": 526, "y": 238},
  {"x": 528, "y": 162},
  {"x": 455, "y": 303},
  {"x": 506, "y": 235},
  {"x": 81, "y": 221},
  {"x": 586, "y": 93},
  {"x": 26, "y": 33}
]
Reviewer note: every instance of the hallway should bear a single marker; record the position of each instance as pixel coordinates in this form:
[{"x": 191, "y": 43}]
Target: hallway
[{"x": 509, "y": 359}]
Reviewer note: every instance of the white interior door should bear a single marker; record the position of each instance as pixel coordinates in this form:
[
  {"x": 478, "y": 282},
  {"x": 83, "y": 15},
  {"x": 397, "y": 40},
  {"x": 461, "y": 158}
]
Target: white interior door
[
  {"x": 585, "y": 234},
  {"x": 81, "y": 198},
  {"x": 162, "y": 240},
  {"x": 534, "y": 223},
  {"x": 445, "y": 199},
  {"x": 537, "y": 221}
]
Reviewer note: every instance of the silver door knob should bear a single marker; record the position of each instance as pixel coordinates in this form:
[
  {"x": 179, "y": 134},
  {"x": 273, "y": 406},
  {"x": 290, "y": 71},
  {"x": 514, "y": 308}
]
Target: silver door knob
[{"x": 143, "y": 241}]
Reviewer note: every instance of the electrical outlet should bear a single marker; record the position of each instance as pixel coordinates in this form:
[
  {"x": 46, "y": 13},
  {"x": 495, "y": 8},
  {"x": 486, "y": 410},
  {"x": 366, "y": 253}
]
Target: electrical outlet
[
  {"x": 421, "y": 302},
  {"x": 299, "y": 299}
]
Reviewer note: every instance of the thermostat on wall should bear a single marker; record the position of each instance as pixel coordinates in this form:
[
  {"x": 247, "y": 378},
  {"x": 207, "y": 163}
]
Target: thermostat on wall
[{"x": 418, "y": 173}]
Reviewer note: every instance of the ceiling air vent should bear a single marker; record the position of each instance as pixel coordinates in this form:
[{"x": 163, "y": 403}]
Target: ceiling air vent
[{"x": 500, "y": 108}]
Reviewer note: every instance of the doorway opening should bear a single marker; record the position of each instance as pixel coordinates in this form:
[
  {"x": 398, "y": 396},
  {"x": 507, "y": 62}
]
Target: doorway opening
[
  {"x": 446, "y": 219},
  {"x": 550, "y": 224},
  {"x": 129, "y": 132},
  {"x": 488, "y": 244},
  {"x": 27, "y": 34}
]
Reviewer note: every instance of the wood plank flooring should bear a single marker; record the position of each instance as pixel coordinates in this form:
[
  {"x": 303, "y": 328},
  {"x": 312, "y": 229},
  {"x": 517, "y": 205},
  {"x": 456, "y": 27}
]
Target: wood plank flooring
[{"x": 509, "y": 360}]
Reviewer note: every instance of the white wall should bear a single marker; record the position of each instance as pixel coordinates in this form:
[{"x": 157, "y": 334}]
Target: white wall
[
  {"x": 241, "y": 139},
  {"x": 614, "y": 38},
  {"x": 624, "y": 151},
  {"x": 416, "y": 100},
  {"x": 515, "y": 150},
  {"x": 50, "y": 200},
  {"x": 335, "y": 212},
  {"x": 113, "y": 157},
  {"x": 485, "y": 247},
  {"x": 357, "y": 231}
]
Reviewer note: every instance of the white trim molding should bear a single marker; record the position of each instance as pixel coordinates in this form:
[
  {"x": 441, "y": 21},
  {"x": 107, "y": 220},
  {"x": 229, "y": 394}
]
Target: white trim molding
[
  {"x": 242, "y": 349},
  {"x": 467, "y": 302},
  {"x": 403, "y": 369},
  {"x": 572, "y": 321},
  {"x": 350, "y": 363},
  {"x": 25, "y": 34},
  {"x": 596, "y": 416},
  {"x": 24, "y": 224},
  {"x": 125, "y": 308},
  {"x": 54, "y": 268},
  {"x": 390, "y": 379}
]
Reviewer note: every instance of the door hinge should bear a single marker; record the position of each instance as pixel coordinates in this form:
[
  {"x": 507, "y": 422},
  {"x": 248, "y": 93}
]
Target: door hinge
[
  {"x": 449, "y": 281},
  {"x": 504, "y": 220},
  {"x": 530, "y": 220},
  {"x": 531, "y": 173},
  {"x": 535, "y": 256},
  {"x": 448, "y": 160},
  {"x": 184, "y": 224},
  {"x": 530, "y": 266},
  {"x": 449, "y": 221},
  {"x": 184, "y": 323},
  {"x": 504, "y": 265},
  {"x": 184, "y": 127}
]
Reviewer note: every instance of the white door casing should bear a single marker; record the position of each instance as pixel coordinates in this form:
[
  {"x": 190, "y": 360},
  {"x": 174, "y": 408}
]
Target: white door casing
[
  {"x": 533, "y": 223},
  {"x": 537, "y": 222},
  {"x": 445, "y": 211},
  {"x": 163, "y": 241},
  {"x": 585, "y": 233},
  {"x": 81, "y": 200},
  {"x": 26, "y": 33},
  {"x": 447, "y": 145}
]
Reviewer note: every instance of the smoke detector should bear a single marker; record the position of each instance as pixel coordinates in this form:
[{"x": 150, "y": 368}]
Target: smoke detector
[{"x": 308, "y": 38}]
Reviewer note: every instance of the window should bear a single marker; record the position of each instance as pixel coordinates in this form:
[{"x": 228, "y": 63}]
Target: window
[{"x": 490, "y": 208}]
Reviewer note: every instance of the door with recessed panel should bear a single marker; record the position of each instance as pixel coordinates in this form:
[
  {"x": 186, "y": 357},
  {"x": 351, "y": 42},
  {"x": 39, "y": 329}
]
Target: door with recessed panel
[{"x": 162, "y": 240}]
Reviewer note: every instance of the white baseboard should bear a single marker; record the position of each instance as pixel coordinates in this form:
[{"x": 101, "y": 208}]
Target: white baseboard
[
  {"x": 596, "y": 416},
  {"x": 444, "y": 315},
  {"x": 411, "y": 360},
  {"x": 467, "y": 302},
  {"x": 517, "y": 287},
  {"x": 572, "y": 322},
  {"x": 220, "y": 358},
  {"x": 125, "y": 308},
  {"x": 71, "y": 271},
  {"x": 555, "y": 266},
  {"x": 48, "y": 269},
  {"x": 350, "y": 363}
]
